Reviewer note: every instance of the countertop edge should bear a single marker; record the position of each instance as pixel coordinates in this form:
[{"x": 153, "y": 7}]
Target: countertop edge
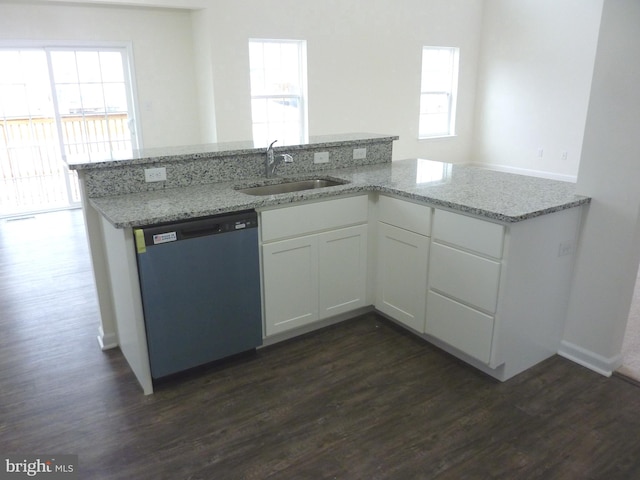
[
  {"x": 479, "y": 212},
  {"x": 257, "y": 203}
]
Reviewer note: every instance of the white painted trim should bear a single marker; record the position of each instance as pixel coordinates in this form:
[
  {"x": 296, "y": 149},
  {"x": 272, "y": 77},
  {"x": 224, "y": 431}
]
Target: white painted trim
[
  {"x": 526, "y": 171},
  {"x": 108, "y": 341},
  {"x": 592, "y": 361}
]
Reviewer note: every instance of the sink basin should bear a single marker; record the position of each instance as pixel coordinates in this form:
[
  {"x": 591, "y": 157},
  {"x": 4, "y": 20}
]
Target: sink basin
[{"x": 291, "y": 186}]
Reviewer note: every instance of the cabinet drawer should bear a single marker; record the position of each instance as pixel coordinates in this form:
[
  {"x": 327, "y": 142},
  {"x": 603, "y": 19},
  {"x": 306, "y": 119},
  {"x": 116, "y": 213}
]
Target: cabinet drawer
[
  {"x": 460, "y": 326},
  {"x": 464, "y": 276},
  {"x": 469, "y": 233},
  {"x": 408, "y": 215},
  {"x": 297, "y": 220}
]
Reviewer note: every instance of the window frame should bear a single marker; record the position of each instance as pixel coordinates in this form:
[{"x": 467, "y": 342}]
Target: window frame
[
  {"x": 451, "y": 93},
  {"x": 126, "y": 54},
  {"x": 301, "y": 97}
]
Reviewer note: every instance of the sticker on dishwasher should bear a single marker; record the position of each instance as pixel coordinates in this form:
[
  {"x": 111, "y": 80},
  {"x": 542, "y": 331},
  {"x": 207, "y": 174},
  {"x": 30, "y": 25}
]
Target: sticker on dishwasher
[{"x": 164, "y": 237}]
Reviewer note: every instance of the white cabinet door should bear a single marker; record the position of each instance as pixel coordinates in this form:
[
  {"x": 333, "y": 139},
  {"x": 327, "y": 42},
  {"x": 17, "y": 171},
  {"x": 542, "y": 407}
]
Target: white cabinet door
[
  {"x": 290, "y": 273},
  {"x": 343, "y": 270},
  {"x": 402, "y": 275}
]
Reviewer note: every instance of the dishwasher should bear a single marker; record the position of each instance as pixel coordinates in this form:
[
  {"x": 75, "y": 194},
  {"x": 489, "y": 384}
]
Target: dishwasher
[{"x": 200, "y": 286}]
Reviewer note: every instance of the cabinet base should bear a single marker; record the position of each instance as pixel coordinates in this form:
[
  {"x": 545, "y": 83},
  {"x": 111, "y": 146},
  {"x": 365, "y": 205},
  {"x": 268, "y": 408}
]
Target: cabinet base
[{"x": 296, "y": 332}]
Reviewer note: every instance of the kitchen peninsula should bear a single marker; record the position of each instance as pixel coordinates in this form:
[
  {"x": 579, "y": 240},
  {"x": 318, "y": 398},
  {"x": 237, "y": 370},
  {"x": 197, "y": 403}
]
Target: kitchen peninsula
[{"x": 475, "y": 261}]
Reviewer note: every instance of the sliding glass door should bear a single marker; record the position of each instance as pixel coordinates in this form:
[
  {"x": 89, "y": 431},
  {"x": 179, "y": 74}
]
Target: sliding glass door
[{"x": 57, "y": 103}]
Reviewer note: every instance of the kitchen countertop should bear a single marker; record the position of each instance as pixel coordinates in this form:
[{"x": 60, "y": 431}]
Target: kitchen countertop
[{"x": 497, "y": 196}]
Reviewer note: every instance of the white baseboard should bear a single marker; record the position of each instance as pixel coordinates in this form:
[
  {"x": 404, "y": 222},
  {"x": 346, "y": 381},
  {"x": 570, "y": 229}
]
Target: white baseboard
[
  {"x": 526, "y": 171},
  {"x": 107, "y": 341},
  {"x": 592, "y": 361}
]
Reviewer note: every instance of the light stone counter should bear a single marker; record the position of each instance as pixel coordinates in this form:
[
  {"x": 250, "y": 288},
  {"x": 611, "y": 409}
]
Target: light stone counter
[
  {"x": 147, "y": 156},
  {"x": 497, "y": 196}
]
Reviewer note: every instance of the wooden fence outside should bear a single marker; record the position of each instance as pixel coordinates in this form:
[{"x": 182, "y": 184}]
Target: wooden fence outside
[{"x": 33, "y": 175}]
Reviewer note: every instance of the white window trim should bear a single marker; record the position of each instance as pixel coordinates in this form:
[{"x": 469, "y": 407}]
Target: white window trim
[
  {"x": 302, "y": 59},
  {"x": 453, "y": 94}
]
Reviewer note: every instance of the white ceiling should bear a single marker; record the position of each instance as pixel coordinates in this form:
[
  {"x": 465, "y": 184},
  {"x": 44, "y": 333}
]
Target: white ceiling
[{"x": 186, "y": 4}]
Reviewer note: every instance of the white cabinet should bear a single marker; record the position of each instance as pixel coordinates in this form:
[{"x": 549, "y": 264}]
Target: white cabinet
[
  {"x": 402, "y": 258},
  {"x": 498, "y": 293},
  {"x": 464, "y": 280},
  {"x": 465, "y": 276},
  {"x": 342, "y": 256},
  {"x": 290, "y": 283},
  {"x": 495, "y": 295},
  {"x": 402, "y": 275},
  {"x": 461, "y": 326},
  {"x": 319, "y": 272}
]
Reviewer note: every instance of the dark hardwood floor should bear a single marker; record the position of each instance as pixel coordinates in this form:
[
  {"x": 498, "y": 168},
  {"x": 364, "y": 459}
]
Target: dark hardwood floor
[{"x": 359, "y": 400}]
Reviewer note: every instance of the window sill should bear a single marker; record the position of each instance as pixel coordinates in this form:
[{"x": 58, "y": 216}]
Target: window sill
[{"x": 435, "y": 137}]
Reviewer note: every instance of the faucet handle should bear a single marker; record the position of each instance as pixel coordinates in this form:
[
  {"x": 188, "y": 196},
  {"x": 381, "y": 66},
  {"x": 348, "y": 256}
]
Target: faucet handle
[{"x": 287, "y": 158}]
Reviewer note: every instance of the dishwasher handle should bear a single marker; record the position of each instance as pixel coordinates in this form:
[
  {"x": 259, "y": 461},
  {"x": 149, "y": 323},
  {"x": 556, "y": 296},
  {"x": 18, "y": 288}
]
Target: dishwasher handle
[
  {"x": 200, "y": 231},
  {"x": 153, "y": 235}
]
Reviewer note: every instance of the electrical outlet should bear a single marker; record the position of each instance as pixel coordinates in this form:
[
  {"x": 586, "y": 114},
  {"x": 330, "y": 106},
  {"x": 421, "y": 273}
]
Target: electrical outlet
[
  {"x": 155, "y": 174},
  {"x": 359, "y": 153},
  {"x": 321, "y": 157}
]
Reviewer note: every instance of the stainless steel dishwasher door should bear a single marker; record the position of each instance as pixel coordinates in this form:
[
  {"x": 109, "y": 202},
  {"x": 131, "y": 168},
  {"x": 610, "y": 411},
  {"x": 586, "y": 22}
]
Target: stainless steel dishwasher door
[{"x": 200, "y": 284}]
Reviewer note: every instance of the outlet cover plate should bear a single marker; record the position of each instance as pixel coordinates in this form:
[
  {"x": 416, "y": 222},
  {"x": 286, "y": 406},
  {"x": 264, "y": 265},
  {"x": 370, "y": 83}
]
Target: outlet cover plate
[
  {"x": 359, "y": 153},
  {"x": 155, "y": 174},
  {"x": 321, "y": 157}
]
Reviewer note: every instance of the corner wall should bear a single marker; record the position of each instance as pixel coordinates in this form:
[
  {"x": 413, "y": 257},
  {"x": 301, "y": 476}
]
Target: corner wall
[
  {"x": 609, "y": 251},
  {"x": 534, "y": 80}
]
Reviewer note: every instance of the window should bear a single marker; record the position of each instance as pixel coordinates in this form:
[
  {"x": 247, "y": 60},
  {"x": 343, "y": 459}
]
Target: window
[
  {"x": 92, "y": 91},
  {"x": 438, "y": 91},
  {"x": 278, "y": 70}
]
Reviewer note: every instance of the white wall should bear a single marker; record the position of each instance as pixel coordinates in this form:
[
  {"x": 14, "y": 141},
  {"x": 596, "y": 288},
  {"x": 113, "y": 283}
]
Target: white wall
[
  {"x": 163, "y": 56},
  {"x": 363, "y": 59},
  {"x": 534, "y": 80},
  {"x": 609, "y": 172},
  {"x": 201, "y": 23}
]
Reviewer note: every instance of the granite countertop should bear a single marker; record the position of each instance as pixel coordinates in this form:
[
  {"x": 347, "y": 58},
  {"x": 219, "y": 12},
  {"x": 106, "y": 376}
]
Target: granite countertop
[
  {"x": 497, "y": 196},
  {"x": 95, "y": 160}
]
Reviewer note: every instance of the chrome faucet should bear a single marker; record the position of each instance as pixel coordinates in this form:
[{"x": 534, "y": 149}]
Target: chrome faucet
[{"x": 272, "y": 161}]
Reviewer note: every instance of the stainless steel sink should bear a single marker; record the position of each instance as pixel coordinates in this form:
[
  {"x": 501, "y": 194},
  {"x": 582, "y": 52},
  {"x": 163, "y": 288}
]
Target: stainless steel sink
[{"x": 291, "y": 186}]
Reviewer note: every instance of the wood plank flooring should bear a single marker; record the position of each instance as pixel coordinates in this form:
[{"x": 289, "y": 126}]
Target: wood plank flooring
[{"x": 359, "y": 400}]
